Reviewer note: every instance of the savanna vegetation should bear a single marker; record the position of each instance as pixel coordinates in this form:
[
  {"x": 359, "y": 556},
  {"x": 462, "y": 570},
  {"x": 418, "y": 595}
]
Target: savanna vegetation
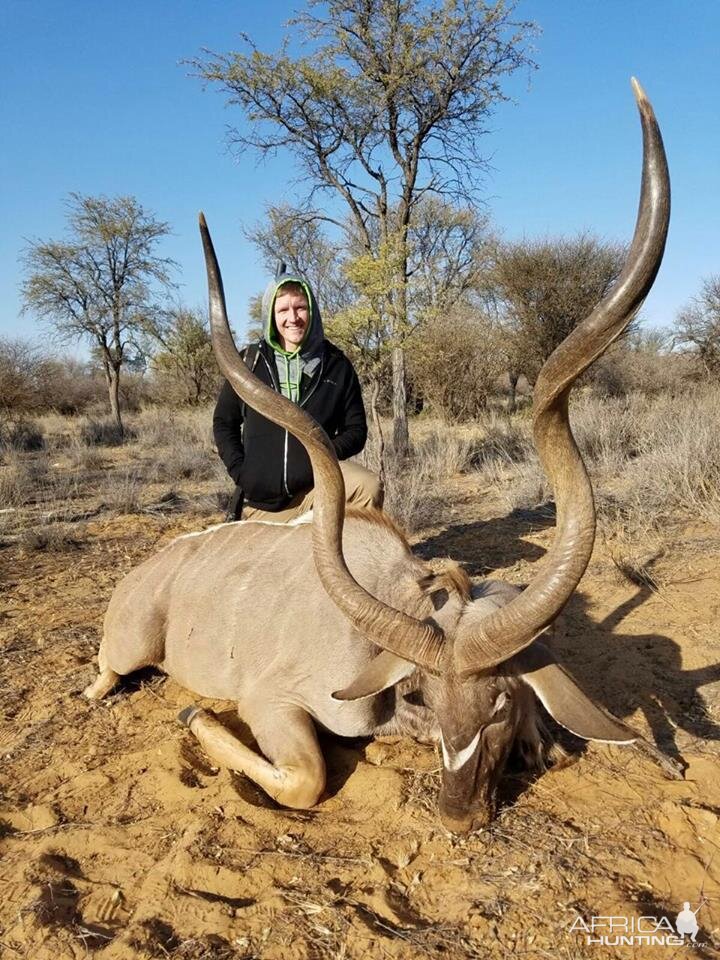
[{"x": 118, "y": 838}]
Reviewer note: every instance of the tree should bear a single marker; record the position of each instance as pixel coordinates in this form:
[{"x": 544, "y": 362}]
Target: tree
[
  {"x": 387, "y": 108},
  {"x": 99, "y": 284},
  {"x": 184, "y": 366},
  {"x": 698, "y": 325},
  {"x": 643, "y": 362},
  {"x": 448, "y": 250},
  {"x": 290, "y": 235},
  {"x": 22, "y": 367},
  {"x": 544, "y": 288},
  {"x": 456, "y": 362}
]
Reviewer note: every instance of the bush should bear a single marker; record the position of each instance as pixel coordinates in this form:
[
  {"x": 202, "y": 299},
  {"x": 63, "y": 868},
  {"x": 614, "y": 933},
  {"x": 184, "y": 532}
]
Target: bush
[
  {"x": 454, "y": 364},
  {"x": 15, "y": 485},
  {"x": 23, "y": 435},
  {"x": 158, "y": 427},
  {"x": 415, "y": 490},
  {"x": 184, "y": 464},
  {"x": 650, "y": 459},
  {"x": 84, "y": 458},
  {"x": 104, "y": 432},
  {"x": 51, "y": 536},
  {"x": 626, "y": 369},
  {"x": 506, "y": 441},
  {"x": 121, "y": 492}
]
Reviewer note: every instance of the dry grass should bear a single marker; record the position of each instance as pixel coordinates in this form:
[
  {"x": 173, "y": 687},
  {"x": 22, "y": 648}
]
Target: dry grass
[
  {"x": 159, "y": 428},
  {"x": 122, "y": 491},
  {"x": 416, "y": 490},
  {"x": 52, "y": 536},
  {"x": 83, "y": 470},
  {"x": 21, "y": 434},
  {"x": 649, "y": 459},
  {"x": 103, "y": 431}
]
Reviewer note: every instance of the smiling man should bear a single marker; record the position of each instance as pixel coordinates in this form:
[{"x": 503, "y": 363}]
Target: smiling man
[{"x": 271, "y": 470}]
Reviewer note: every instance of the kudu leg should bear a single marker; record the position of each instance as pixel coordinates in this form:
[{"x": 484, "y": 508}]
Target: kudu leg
[
  {"x": 294, "y": 775},
  {"x": 105, "y": 681},
  {"x": 102, "y": 686}
]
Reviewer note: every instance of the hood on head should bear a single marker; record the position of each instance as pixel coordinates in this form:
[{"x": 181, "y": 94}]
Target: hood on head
[{"x": 314, "y": 335}]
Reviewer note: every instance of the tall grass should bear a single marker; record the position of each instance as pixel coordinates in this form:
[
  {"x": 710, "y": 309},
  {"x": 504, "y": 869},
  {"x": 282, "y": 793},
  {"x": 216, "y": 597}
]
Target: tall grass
[
  {"x": 649, "y": 458},
  {"x": 416, "y": 490}
]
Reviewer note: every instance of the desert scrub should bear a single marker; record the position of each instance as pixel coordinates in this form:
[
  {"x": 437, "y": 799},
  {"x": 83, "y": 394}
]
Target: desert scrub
[
  {"x": 185, "y": 463},
  {"x": 84, "y": 459},
  {"x": 122, "y": 491},
  {"x": 103, "y": 432},
  {"x": 24, "y": 478},
  {"x": 505, "y": 445},
  {"x": 159, "y": 427},
  {"x": 22, "y": 435},
  {"x": 679, "y": 467},
  {"x": 649, "y": 458},
  {"x": 415, "y": 490},
  {"x": 15, "y": 484},
  {"x": 52, "y": 536}
]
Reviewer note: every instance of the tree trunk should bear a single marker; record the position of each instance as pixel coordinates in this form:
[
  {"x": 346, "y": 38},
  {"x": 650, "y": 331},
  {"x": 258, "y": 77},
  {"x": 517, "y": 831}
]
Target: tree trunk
[
  {"x": 401, "y": 441},
  {"x": 512, "y": 399},
  {"x": 113, "y": 377},
  {"x": 380, "y": 444}
]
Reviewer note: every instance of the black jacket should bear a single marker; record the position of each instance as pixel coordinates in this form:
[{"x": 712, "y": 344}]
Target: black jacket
[{"x": 269, "y": 465}]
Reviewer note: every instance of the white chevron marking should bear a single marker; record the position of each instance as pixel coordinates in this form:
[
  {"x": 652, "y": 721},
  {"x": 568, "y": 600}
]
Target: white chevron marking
[{"x": 456, "y": 760}]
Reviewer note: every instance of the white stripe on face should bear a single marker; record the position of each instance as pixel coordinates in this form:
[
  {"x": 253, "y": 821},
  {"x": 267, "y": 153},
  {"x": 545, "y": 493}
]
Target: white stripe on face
[{"x": 456, "y": 760}]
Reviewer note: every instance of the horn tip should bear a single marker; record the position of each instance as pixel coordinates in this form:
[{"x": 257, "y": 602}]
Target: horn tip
[
  {"x": 640, "y": 94},
  {"x": 202, "y": 221}
]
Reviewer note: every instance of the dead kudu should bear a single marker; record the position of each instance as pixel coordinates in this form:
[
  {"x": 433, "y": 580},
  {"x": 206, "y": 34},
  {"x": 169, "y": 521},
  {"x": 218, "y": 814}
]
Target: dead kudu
[{"x": 327, "y": 622}]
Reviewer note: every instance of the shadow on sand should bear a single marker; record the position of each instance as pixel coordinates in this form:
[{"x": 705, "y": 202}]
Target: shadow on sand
[{"x": 623, "y": 672}]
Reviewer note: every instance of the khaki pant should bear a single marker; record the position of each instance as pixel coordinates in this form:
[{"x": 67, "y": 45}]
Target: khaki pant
[{"x": 362, "y": 489}]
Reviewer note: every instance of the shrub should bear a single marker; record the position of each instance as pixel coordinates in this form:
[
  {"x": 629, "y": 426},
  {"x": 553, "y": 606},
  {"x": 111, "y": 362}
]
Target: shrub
[
  {"x": 103, "y": 432},
  {"x": 415, "y": 490},
  {"x": 84, "y": 458},
  {"x": 22, "y": 434},
  {"x": 15, "y": 485},
  {"x": 184, "y": 464},
  {"x": 51, "y": 536},
  {"x": 506, "y": 441},
  {"x": 157, "y": 427},
  {"x": 121, "y": 492},
  {"x": 651, "y": 459}
]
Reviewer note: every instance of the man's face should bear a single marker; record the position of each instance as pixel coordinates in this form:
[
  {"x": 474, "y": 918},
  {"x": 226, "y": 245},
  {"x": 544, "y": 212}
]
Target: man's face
[{"x": 292, "y": 315}]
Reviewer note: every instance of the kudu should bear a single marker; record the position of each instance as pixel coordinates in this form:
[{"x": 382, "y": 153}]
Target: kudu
[{"x": 326, "y": 622}]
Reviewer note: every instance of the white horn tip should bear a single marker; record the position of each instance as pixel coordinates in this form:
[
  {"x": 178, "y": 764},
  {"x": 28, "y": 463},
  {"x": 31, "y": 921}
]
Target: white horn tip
[{"x": 640, "y": 94}]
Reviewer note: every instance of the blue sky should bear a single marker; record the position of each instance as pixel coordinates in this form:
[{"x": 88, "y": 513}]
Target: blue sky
[{"x": 95, "y": 99}]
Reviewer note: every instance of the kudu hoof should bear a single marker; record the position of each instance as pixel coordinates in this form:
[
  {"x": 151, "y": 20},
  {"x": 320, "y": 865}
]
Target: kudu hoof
[{"x": 186, "y": 716}]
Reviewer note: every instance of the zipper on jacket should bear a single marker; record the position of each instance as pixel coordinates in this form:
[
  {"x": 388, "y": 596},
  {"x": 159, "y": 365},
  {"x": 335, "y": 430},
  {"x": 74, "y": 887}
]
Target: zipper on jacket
[
  {"x": 300, "y": 404},
  {"x": 276, "y": 386},
  {"x": 285, "y": 461}
]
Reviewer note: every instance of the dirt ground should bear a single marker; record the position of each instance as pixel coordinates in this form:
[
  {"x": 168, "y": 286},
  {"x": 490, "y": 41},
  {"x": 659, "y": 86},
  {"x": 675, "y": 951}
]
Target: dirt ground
[{"x": 118, "y": 838}]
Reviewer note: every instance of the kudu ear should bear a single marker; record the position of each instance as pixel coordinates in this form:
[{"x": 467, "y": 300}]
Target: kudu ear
[
  {"x": 384, "y": 671},
  {"x": 565, "y": 701}
]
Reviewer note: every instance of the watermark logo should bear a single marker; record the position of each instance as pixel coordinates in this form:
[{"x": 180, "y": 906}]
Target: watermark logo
[
  {"x": 686, "y": 923},
  {"x": 617, "y": 931}
]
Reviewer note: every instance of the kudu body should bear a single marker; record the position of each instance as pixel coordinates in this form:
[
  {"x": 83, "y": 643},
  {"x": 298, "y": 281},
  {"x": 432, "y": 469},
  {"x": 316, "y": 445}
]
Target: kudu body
[{"x": 331, "y": 621}]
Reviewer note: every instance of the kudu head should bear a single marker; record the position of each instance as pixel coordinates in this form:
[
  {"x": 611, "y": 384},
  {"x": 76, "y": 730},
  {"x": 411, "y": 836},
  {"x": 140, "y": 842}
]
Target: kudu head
[{"x": 481, "y": 665}]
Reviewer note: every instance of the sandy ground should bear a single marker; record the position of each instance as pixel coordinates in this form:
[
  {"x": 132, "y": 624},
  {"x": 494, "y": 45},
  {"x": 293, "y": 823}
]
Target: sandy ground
[{"x": 119, "y": 838}]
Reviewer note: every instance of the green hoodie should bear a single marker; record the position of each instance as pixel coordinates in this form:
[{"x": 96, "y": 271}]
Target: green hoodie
[{"x": 291, "y": 364}]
